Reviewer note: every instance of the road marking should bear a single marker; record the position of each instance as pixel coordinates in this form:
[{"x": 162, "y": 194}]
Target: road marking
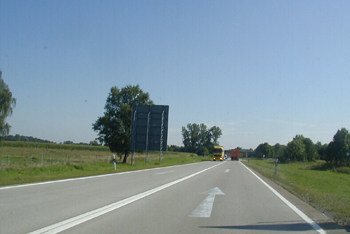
[
  {"x": 66, "y": 224},
  {"x": 227, "y": 170},
  {"x": 312, "y": 223},
  {"x": 162, "y": 173},
  {"x": 204, "y": 209}
]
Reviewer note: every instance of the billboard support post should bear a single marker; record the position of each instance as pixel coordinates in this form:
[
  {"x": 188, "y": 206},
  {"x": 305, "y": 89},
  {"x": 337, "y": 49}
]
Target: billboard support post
[
  {"x": 161, "y": 139},
  {"x": 133, "y": 121},
  {"x": 147, "y": 135}
]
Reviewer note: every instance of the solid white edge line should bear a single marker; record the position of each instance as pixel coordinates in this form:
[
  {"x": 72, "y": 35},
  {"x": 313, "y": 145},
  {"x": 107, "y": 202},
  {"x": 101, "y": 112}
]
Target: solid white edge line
[
  {"x": 66, "y": 224},
  {"x": 312, "y": 223}
]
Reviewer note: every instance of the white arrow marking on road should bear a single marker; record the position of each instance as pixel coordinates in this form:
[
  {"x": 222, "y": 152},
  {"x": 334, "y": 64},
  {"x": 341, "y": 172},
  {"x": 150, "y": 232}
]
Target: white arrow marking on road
[
  {"x": 227, "y": 170},
  {"x": 204, "y": 209}
]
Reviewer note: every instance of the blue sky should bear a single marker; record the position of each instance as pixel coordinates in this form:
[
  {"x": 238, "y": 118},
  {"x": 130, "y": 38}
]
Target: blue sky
[{"x": 263, "y": 71}]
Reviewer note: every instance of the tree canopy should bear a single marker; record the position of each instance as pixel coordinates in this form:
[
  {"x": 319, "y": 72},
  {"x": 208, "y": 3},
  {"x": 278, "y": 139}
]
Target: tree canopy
[
  {"x": 338, "y": 150},
  {"x": 197, "y": 138},
  {"x": 7, "y": 103},
  {"x": 114, "y": 126}
]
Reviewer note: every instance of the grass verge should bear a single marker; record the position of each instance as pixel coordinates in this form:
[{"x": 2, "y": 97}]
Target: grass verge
[
  {"x": 20, "y": 165},
  {"x": 326, "y": 190}
]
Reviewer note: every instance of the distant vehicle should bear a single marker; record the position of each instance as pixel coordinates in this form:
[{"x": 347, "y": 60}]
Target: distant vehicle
[
  {"x": 225, "y": 156},
  {"x": 235, "y": 154},
  {"x": 218, "y": 153}
]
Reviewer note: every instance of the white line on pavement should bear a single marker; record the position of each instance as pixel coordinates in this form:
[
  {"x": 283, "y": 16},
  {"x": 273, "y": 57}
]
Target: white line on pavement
[
  {"x": 313, "y": 224},
  {"x": 66, "y": 224}
]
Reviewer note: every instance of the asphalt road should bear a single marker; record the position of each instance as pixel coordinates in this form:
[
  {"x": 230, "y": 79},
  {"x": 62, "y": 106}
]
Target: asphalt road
[{"x": 208, "y": 197}]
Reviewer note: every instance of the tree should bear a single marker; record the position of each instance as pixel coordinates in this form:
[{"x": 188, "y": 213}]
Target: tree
[
  {"x": 296, "y": 149},
  {"x": 338, "y": 150},
  {"x": 310, "y": 150},
  {"x": 321, "y": 150},
  {"x": 197, "y": 136},
  {"x": 114, "y": 127},
  {"x": 7, "y": 103},
  {"x": 264, "y": 150},
  {"x": 215, "y": 134}
]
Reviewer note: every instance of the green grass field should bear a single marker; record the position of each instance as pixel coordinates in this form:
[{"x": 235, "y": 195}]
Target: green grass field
[
  {"x": 32, "y": 164},
  {"x": 324, "y": 189}
]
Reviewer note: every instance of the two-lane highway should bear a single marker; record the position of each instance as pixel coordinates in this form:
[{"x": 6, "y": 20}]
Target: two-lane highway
[{"x": 208, "y": 197}]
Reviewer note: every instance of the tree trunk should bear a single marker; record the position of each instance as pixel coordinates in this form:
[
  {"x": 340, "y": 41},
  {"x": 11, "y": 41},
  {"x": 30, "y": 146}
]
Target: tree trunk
[{"x": 125, "y": 157}]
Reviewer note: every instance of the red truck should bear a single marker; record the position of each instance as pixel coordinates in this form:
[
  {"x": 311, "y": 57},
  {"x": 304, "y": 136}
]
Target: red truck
[{"x": 235, "y": 154}]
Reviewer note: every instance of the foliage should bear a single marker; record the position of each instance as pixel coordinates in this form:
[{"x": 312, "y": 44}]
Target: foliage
[
  {"x": 114, "y": 126},
  {"x": 7, "y": 103},
  {"x": 203, "y": 151},
  {"x": 25, "y": 138},
  {"x": 279, "y": 151},
  {"x": 197, "y": 136},
  {"x": 296, "y": 149},
  {"x": 302, "y": 149},
  {"x": 338, "y": 150},
  {"x": 321, "y": 150},
  {"x": 264, "y": 150}
]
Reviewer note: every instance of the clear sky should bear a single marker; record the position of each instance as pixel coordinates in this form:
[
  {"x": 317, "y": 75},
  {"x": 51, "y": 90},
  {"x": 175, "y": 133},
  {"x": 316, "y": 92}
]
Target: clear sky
[{"x": 263, "y": 71}]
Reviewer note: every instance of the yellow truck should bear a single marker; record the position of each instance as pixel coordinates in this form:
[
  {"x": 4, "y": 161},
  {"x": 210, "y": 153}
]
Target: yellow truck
[{"x": 218, "y": 153}]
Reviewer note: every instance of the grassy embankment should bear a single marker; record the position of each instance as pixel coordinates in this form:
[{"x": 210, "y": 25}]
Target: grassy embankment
[
  {"x": 322, "y": 187},
  {"x": 33, "y": 162}
]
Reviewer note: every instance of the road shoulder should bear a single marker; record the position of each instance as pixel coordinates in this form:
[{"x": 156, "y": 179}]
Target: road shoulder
[{"x": 325, "y": 222}]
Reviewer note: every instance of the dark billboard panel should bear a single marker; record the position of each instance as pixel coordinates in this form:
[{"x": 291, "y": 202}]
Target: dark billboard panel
[{"x": 149, "y": 130}]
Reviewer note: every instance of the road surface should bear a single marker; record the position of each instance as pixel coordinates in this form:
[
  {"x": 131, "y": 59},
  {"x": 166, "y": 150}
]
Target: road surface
[{"x": 207, "y": 197}]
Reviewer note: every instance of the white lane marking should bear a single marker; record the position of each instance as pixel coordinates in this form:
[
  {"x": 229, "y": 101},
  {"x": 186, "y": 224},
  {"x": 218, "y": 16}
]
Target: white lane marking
[
  {"x": 66, "y": 224},
  {"x": 312, "y": 223},
  {"x": 85, "y": 178},
  {"x": 204, "y": 209},
  {"x": 162, "y": 173},
  {"x": 227, "y": 170}
]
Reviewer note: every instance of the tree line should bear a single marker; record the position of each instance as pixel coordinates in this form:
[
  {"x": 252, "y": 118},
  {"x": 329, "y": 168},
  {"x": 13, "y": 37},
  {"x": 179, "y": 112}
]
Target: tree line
[
  {"x": 198, "y": 138},
  {"x": 18, "y": 137},
  {"x": 302, "y": 149}
]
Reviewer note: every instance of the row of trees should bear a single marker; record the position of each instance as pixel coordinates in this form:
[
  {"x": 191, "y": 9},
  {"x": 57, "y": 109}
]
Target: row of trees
[
  {"x": 303, "y": 149},
  {"x": 198, "y": 138},
  {"x": 18, "y": 137}
]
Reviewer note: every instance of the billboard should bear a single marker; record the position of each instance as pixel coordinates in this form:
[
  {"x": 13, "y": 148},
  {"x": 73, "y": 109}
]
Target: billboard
[{"x": 149, "y": 127}]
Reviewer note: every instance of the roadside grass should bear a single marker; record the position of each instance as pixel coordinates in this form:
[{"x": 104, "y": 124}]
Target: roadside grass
[
  {"x": 20, "y": 165},
  {"x": 314, "y": 182}
]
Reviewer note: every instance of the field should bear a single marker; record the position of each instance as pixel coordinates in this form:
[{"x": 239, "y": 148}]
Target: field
[
  {"x": 324, "y": 189},
  {"x": 41, "y": 162}
]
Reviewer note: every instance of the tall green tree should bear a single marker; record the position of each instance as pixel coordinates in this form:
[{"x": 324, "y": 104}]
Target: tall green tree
[
  {"x": 321, "y": 150},
  {"x": 310, "y": 150},
  {"x": 338, "y": 150},
  {"x": 114, "y": 127},
  {"x": 197, "y": 136},
  {"x": 264, "y": 150},
  {"x": 296, "y": 149},
  {"x": 7, "y": 103},
  {"x": 215, "y": 133}
]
